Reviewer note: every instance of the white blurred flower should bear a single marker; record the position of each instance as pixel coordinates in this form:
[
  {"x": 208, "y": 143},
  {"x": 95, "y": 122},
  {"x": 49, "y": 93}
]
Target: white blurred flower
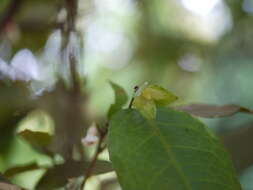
[
  {"x": 91, "y": 137},
  {"x": 23, "y": 66},
  {"x": 190, "y": 63},
  {"x": 202, "y": 8}
]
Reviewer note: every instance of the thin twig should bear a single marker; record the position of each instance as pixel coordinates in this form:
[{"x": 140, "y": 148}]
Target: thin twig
[
  {"x": 131, "y": 103},
  {"x": 136, "y": 88},
  {"x": 100, "y": 148}
]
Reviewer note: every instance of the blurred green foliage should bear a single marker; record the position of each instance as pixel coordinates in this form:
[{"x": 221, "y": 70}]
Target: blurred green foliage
[
  {"x": 129, "y": 43},
  {"x": 3, "y": 5}
]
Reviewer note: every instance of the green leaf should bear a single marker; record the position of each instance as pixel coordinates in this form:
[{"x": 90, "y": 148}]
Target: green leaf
[
  {"x": 161, "y": 96},
  {"x": 21, "y": 168},
  {"x": 37, "y": 128},
  {"x": 120, "y": 99},
  {"x": 3, "y": 5},
  {"x": 145, "y": 106},
  {"x": 14, "y": 105},
  {"x": 174, "y": 151}
]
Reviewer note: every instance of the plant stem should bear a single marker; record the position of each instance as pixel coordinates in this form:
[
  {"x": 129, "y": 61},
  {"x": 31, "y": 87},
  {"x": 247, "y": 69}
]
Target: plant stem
[
  {"x": 136, "y": 88},
  {"x": 100, "y": 148}
]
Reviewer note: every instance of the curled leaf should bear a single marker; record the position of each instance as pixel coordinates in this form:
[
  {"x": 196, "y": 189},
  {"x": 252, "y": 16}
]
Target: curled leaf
[
  {"x": 37, "y": 128},
  {"x": 211, "y": 111},
  {"x": 20, "y": 168}
]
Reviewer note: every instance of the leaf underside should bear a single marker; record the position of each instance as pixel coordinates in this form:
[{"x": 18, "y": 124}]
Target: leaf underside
[
  {"x": 173, "y": 152},
  {"x": 212, "y": 111}
]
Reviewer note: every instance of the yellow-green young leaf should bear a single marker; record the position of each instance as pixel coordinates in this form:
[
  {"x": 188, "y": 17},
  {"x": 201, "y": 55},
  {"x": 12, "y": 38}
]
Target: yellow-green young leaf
[
  {"x": 172, "y": 152},
  {"x": 151, "y": 96},
  {"x": 37, "y": 128},
  {"x": 160, "y": 95},
  {"x": 120, "y": 99},
  {"x": 146, "y": 106}
]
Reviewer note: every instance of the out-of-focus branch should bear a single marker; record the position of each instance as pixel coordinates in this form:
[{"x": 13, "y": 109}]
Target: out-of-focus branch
[
  {"x": 71, "y": 124},
  {"x": 7, "y": 16},
  {"x": 71, "y": 6},
  {"x": 69, "y": 25}
]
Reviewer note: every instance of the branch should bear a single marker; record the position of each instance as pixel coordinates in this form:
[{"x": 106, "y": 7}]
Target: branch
[
  {"x": 8, "y": 15},
  {"x": 71, "y": 6},
  {"x": 74, "y": 121},
  {"x": 100, "y": 148},
  {"x": 136, "y": 88}
]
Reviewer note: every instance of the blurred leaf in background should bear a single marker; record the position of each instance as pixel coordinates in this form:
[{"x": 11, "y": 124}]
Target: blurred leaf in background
[{"x": 37, "y": 128}]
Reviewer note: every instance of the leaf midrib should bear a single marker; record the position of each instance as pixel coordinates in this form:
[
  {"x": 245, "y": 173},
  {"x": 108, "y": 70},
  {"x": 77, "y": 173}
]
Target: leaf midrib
[{"x": 171, "y": 155}]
